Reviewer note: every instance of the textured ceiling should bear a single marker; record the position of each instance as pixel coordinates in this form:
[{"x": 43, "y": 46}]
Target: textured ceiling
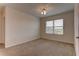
[{"x": 35, "y": 8}]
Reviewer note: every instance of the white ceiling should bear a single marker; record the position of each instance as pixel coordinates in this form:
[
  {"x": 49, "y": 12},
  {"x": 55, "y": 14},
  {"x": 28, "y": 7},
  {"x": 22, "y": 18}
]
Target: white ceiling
[{"x": 35, "y": 8}]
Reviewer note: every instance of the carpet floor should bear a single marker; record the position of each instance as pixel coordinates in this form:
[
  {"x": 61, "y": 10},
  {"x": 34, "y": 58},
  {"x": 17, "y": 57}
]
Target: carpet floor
[{"x": 40, "y": 47}]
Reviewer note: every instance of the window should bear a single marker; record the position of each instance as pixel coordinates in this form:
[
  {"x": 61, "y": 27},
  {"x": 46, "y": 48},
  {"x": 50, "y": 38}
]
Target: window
[
  {"x": 58, "y": 26},
  {"x": 49, "y": 27},
  {"x": 54, "y": 26}
]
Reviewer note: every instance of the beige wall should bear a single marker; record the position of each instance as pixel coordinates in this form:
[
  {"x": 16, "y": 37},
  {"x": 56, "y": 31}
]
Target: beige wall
[
  {"x": 2, "y": 40},
  {"x": 68, "y": 35},
  {"x": 76, "y": 28},
  {"x": 20, "y": 27}
]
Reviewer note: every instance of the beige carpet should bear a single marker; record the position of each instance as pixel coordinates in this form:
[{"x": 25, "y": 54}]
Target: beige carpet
[{"x": 40, "y": 47}]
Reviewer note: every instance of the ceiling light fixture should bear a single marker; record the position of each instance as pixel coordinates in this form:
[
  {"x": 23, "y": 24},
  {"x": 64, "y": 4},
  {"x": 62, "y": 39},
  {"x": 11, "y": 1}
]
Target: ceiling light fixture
[{"x": 43, "y": 12}]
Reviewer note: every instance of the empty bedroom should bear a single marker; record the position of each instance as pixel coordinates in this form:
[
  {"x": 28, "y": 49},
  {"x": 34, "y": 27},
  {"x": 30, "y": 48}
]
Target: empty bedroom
[{"x": 38, "y": 29}]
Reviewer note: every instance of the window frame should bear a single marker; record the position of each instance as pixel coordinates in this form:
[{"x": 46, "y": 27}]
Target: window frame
[{"x": 54, "y": 26}]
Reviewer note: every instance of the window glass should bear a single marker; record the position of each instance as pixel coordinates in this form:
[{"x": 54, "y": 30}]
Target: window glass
[
  {"x": 58, "y": 26},
  {"x": 58, "y": 22},
  {"x": 49, "y": 27},
  {"x": 54, "y": 26}
]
